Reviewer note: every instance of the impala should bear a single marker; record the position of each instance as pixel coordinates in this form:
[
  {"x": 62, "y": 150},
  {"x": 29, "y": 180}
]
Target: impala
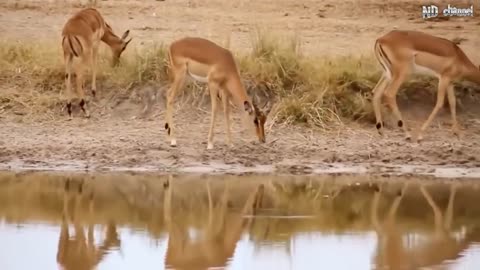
[
  {"x": 401, "y": 53},
  {"x": 81, "y": 38},
  {"x": 424, "y": 249},
  {"x": 207, "y": 62}
]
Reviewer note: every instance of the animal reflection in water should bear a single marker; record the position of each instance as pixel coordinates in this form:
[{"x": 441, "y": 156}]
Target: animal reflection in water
[
  {"x": 218, "y": 238},
  {"x": 439, "y": 247},
  {"x": 78, "y": 251}
]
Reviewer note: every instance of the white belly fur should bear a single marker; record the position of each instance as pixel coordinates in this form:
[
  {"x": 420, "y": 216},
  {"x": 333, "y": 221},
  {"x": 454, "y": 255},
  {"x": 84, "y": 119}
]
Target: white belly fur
[
  {"x": 198, "y": 78},
  {"x": 424, "y": 70},
  {"x": 419, "y": 69}
]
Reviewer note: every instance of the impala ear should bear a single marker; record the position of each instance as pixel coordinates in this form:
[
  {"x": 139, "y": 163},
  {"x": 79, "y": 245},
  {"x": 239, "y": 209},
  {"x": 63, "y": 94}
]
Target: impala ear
[
  {"x": 125, "y": 35},
  {"x": 128, "y": 42},
  {"x": 248, "y": 107}
]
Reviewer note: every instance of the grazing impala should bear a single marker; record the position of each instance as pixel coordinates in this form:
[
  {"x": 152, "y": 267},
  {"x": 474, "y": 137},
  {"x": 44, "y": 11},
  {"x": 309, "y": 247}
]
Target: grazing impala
[
  {"x": 210, "y": 63},
  {"x": 79, "y": 249},
  {"x": 216, "y": 241},
  {"x": 81, "y": 38},
  {"x": 402, "y": 248},
  {"x": 403, "y": 52}
]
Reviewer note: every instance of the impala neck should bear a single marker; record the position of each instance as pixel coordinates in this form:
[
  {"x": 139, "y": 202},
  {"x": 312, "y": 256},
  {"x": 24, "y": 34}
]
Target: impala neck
[
  {"x": 111, "y": 39},
  {"x": 237, "y": 90},
  {"x": 474, "y": 75}
]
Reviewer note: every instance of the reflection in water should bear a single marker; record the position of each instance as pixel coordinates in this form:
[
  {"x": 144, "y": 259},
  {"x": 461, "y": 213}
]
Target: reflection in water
[
  {"x": 79, "y": 251},
  {"x": 438, "y": 246},
  {"x": 214, "y": 244},
  {"x": 248, "y": 222}
]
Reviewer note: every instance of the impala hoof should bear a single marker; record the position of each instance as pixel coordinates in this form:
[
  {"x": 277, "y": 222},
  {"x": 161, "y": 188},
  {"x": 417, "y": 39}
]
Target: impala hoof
[
  {"x": 209, "y": 146},
  {"x": 456, "y": 132}
]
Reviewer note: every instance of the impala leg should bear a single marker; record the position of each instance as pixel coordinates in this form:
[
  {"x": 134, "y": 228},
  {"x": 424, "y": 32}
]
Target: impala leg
[
  {"x": 374, "y": 210},
  {"x": 396, "y": 203},
  {"x": 80, "y": 91},
  {"x": 226, "y": 111},
  {"x": 449, "y": 210},
  {"x": 391, "y": 96},
  {"x": 213, "y": 87},
  {"x": 378, "y": 91},
  {"x": 178, "y": 81},
  {"x": 452, "y": 102},
  {"x": 68, "y": 83},
  {"x": 437, "y": 213},
  {"x": 93, "y": 64},
  {"x": 442, "y": 89}
]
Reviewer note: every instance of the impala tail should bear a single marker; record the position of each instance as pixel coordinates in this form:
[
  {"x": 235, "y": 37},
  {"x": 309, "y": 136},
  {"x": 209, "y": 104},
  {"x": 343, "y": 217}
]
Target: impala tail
[
  {"x": 72, "y": 46},
  {"x": 383, "y": 58}
]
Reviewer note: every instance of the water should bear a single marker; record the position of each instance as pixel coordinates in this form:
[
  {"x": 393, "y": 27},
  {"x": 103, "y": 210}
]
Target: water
[{"x": 143, "y": 221}]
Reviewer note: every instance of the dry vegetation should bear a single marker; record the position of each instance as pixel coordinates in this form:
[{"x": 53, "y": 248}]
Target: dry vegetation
[{"x": 306, "y": 89}]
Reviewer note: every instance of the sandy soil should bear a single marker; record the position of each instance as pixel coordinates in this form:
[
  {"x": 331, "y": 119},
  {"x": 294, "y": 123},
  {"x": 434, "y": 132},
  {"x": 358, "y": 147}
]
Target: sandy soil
[{"x": 326, "y": 27}]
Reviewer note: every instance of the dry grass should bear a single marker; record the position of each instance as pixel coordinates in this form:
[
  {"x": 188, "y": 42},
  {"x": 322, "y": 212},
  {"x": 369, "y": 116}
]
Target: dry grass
[{"x": 308, "y": 90}]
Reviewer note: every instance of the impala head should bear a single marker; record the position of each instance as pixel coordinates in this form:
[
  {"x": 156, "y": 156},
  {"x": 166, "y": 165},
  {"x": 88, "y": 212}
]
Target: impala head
[
  {"x": 119, "y": 47},
  {"x": 258, "y": 117}
]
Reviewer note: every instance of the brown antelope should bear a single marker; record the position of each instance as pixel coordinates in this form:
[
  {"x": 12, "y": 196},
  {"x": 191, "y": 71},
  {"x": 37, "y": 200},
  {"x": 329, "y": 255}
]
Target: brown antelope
[
  {"x": 438, "y": 247},
  {"x": 78, "y": 250},
  {"x": 218, "y": 238},
  {"x": 207, "y": 62},
  {"x": 81, "y": 38},
  {"x": 401, "y": 53}
]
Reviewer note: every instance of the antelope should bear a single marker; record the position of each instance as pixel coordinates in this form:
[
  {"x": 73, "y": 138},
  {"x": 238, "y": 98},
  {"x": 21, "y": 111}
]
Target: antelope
[
  {"x": 438, "y": 247},
  {"x": 207, "y": 62},
  {"x": 81, "y": 36},
  {"x": 218, "y": 237},
  {"x": 77, "y": 249},
  {"x": 401, "y": 53}
]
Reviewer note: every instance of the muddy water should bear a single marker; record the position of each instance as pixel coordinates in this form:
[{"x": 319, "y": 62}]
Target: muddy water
[{"x": 144, "y": 221}]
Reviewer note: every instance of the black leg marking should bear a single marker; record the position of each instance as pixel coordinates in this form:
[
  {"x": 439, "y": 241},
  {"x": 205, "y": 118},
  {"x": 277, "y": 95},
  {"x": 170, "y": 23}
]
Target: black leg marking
[
  {"x": 66, "y": 76},
  {"x": 80, "y": 188},
  {"x": 400, "y": 123},
  {"x": 67, "y": 185},
  {"x": 82, "y": 105},
  {"x": 379, "y": 125},
  {"x": 167, "y": 127},
  {"x": 69, "y": 108},
  {"x": 94, "y": 93}
]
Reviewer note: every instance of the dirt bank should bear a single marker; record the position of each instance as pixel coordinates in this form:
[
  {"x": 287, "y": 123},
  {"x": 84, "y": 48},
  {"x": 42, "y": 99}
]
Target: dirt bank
[{"x": 116, "y": 141}]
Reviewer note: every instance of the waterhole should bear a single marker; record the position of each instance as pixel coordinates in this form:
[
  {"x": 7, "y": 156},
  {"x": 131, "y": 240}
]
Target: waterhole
[{"x": 252, "y": 221}]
